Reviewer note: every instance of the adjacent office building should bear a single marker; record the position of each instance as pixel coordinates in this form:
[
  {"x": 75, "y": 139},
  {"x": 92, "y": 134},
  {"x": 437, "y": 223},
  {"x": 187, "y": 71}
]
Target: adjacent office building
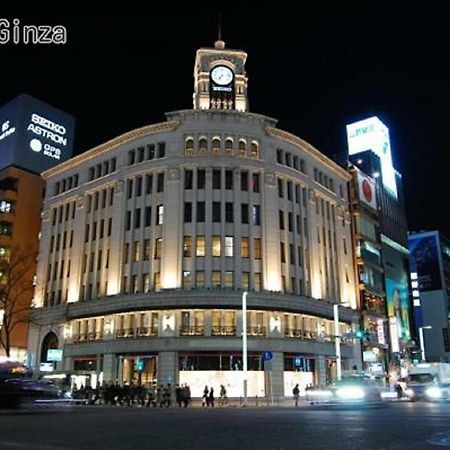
[
  {"x": 430, "y": 280},
  {"x": 145, "y": 257},
  {"x": 34, "y": 136},
  {"x": 370, "y": 150}
]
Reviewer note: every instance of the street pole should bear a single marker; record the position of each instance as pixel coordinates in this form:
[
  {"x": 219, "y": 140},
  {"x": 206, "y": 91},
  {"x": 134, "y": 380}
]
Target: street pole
[
  {"x": 337, "y": 341},
  {"x": 244, "y": 344},
  {"x": 421, "y": 340}
]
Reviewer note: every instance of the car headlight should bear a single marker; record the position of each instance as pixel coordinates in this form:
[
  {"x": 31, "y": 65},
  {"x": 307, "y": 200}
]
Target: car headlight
[
  {"x": 320, "y": 393},
  {"x": 409, "y": 392},
  {"x": 350, "y": 393},
  {"x": 433, "y": 392}
]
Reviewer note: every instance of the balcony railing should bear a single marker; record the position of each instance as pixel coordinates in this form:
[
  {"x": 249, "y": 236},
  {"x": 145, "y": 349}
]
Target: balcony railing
[
  {"x": 146, "y": 331},
  {"x": 223, "y": 331},
  {"x": 134, "y": 333},
  {"x": 256, "y": 331},
  {"x": 192, "y": 331},
  {"x": 300, "y": 334},
  {"x": 91, "y": 336}
]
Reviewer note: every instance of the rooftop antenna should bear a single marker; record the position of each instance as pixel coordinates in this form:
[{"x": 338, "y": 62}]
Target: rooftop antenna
[{"x": 219, "y": 44}]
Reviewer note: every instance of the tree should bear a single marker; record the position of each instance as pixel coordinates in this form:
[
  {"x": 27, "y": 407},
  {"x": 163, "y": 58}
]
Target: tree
[{"x": 17, "y": 268}]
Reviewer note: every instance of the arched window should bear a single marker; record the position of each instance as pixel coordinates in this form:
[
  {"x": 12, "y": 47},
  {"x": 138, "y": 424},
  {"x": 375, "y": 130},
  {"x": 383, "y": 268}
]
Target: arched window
[
  {"x": 254, "y": 150},
  {"x": 203, "y": 145},
  {"x": 189, "y": 146},
  {"x": 229, "y": 145},
  {"x": 216, "y": 145},
  {"x": 242, "y": 148},
  {"x": 49, "y": 342}
]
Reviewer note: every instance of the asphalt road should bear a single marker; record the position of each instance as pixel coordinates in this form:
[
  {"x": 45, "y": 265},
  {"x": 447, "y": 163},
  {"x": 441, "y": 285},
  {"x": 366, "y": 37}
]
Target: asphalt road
[{"x": 402, "y": 426}]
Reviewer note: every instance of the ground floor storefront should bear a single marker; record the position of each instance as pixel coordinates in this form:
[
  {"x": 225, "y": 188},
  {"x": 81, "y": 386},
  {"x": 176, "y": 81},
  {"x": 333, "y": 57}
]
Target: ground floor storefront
[{"x": 276, "y": 377}]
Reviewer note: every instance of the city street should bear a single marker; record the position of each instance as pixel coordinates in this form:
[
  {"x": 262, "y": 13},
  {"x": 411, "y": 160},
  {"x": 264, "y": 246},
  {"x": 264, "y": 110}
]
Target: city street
[{"x": 392, "y": 426}]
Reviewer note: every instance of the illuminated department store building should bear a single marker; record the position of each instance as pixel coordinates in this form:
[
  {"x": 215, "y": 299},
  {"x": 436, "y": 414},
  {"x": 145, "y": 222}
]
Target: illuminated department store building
[{"x": 143, "y": 263}]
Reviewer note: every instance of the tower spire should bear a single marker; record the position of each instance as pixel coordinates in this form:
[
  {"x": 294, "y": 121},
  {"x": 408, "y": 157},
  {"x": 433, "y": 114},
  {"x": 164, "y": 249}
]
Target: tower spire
[{"x": 219, "y": 44}]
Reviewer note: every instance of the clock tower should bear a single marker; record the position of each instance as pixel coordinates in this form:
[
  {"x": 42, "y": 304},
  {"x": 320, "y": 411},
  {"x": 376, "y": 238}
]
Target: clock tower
[{"x": 220, "y": 81}]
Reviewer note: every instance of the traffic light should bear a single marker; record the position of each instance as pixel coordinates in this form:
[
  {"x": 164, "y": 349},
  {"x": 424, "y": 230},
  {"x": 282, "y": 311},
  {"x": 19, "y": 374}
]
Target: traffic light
[
  {"x": 363, "y": 335},
  {"x": 359, "y": 334}
]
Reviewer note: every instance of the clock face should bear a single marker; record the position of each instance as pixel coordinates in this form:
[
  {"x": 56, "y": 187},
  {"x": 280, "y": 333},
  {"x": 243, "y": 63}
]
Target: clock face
[{"x": 222, "y": 75}]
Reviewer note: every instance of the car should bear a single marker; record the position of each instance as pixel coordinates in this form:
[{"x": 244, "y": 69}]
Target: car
[
  {"x": 348, "y": 390},
  {"x": 17, "y": 387}
]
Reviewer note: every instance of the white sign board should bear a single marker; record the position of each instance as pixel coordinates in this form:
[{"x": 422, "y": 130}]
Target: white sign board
[{"x": 54, "y": 354}]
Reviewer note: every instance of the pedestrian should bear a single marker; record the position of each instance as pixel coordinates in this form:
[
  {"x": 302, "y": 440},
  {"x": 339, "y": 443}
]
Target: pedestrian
[
  {"x": 223, "y": 400},
  {"x": 296, "y": 393},
  {"x": 178, "y": 395},
  {"x": 187, "y": 399},
  {"x": 399, "y": 390},
  {"x": 205, "y": 396},
  {"x": 211, "y": 398}
]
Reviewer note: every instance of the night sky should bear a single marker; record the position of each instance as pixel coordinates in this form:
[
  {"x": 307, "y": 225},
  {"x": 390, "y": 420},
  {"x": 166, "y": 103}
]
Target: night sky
[{"x": 315, "y": 71}]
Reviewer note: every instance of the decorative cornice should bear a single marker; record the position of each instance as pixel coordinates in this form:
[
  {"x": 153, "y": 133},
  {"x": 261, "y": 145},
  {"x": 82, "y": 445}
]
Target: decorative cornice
[
  {"x": 111, "y": 144},
  {"x": 295, "y": 140}
]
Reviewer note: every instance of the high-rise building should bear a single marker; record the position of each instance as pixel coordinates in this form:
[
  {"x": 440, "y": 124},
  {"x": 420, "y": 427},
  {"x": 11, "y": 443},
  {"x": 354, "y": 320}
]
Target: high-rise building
[
  {"x": 430, "y": 281},
  {"x": 370, "y": 150},
  {"x": 34, "y": 136},
  {"x": 143, "y": 263}
]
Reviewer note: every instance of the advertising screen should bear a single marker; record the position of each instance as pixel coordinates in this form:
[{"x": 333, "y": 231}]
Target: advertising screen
[
  {"x": 34, "y": 135},
  {"x": 397, "y": 302},
  {"x": 373, "y": 134},
  {"x": 424, "y": 252}
]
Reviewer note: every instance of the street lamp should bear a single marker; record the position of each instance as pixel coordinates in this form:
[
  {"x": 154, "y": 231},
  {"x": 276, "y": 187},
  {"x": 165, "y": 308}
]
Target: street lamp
[
  {"x": 244, "y": 344},
  {"x": 337, "y": 339},
  {"x": 422, "y": 343}
]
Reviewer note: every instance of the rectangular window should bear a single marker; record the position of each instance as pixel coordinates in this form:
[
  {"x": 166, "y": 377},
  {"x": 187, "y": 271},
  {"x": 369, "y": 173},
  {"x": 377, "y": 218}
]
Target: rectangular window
[
  {"x": 244, "y": 181},
  {"x": 146, "y": 283},
  {"x": 216, "y": 246},
  {"x": 158, "y": 248},
  {"x": 160, "y": 215},
  {"x": 280, "y": 188},
  {"x": 279, "y": 156},
  {"x": 187, "y": 212},
  {"x": 281, "y": 219},
  {"x": 216, "y": 279},
  {"x": 245, "y": 281},
  {"x": 229, "y": 279},
  {"x": 140, "y": 154},
  {"x": 290, "y": 222},
  {"x": 138, "y": 186},
  {"x": 151, "y": 151},
  {"x": 245, "y": 250},
  {"x": 91, "y": 262},
  {"x": 200, "y": 211},
  {"x": 229, "y": 246},
  {"x": 148, "y": 216},
  {"x": 129, "y": 188},
  {"x": 188, "y": 179},
  {"x": 228, "y": 179},
  {"x": 131, "y": 157},
  {"x": 99, "y": 260},
  {"x": 148, "y": 184},
  {"x": 256, "y": 216},
  {"x": 86, "y": 233},
  {"x": 200, "y": 279},
  {"x": 126, "y": 253},
  {"x": 282, "y": 253},
  {"x": 157, "y": 281},
  {"x": 146, "y": 249},
  {"x": 137, "y": 218},
  {"x": 187, "y": 279},
  {"x": 200, "y": 246},
  {"x": 104, "y": 192},
  {"x": 298, "y": 224},
  {"x": 344, "y": 243},
  {"x": 255, "y": 182},
  {"x": 94, "y": 231},
  {"x": 107, "y": 261},
  {"x": 201, "y": 179},
  {"x": 216, "y": 212},
  {"x": 109, "y": 226},
  {"x": 257, "y": 280},
  {"x": 244, "y": 212},
  {"x": 161, "y": 149},
  {"x": 137, "y": 251},
  {"x": 187, "y": 246},
  {"x": 217, "y": 179},
  {"x": 291, "y": 254},
  {"x": 160, "y": 183},
  {"x": 229, "y": 216},
  {"x": 257, "y": 248},
  {"x": 289, "y": 190}
]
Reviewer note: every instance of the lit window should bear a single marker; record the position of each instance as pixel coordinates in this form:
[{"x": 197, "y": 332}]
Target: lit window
[
  {"x": 229, "y": 279},
  {"x": 160, "y": 215},
  {"x": 4, "y": 253},
  {"x": 254, "y": 150},
  {"x": 137, "y": 251},
  {"x": 216, "y": 278},
  {"x": 216, "y": 244},
  {"x": 229, "y": 246},
  {"x": 158, "y": 248},
  {"x": 187, "y": 279},
  {"x": 200, "y": 247},
  {"x": 6, "y": 206},
  {"x": 245, "y": 248},
  {"x": 257, "y": 248},
  {"x": 187, "y": 246}
]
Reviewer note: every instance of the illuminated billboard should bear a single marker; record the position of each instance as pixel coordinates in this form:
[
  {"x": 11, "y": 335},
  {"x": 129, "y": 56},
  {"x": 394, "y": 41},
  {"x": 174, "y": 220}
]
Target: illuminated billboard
[
  {"x": 397, "y": 304},
  {"x": 424, "y": 251},
  {"x": 34, "y": 135},
  {"x": 372, "y": 134}
]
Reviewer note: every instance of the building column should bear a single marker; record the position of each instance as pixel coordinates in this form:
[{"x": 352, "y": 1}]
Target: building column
[
  {"x": 321, "y": 370},
  {"x": 277, "y": 376},
  {"x": 109, "y": 366},
  {"x": 168, "y": 368}
]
